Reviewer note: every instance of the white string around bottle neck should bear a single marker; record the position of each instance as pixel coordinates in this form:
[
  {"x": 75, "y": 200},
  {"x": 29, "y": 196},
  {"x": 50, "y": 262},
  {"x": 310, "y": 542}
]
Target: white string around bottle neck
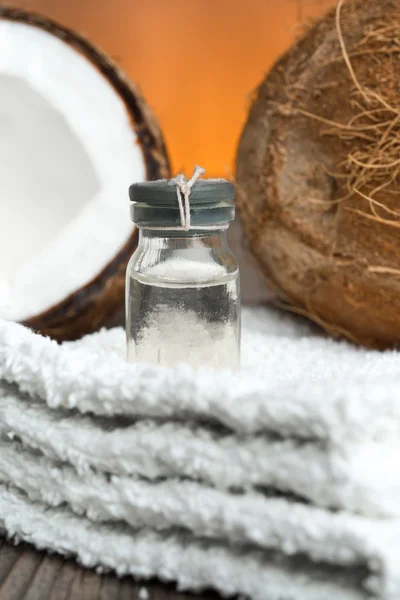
[{"x": 183, "y": 191}]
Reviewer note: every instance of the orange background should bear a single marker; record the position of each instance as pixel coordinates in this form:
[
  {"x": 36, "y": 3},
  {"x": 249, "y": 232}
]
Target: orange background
[{"x": 196, "y": 61}]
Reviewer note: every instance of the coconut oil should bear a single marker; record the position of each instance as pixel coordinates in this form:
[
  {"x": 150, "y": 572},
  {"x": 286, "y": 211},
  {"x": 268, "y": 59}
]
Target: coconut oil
[
  {"x": 182, "y": 320},
  {"x": 182, "y": 292}
]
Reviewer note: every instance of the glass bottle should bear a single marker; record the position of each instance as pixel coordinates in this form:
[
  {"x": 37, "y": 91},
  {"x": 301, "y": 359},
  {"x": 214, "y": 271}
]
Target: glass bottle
[{"x": 182, "y": 292}]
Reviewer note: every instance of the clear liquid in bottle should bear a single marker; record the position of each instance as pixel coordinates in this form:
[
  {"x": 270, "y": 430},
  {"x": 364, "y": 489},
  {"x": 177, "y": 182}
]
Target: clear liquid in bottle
[{"x": 173, "y": 322}]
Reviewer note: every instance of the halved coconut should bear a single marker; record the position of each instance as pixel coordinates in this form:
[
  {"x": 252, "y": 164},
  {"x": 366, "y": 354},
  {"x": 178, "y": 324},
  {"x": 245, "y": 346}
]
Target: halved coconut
[{"x": 74, "y": 134}]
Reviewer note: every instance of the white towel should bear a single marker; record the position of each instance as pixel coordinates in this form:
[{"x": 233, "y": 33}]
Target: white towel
[
  {"x": 306, "y": 386},
  {"x": 177, "y": 556},
  {"x": 362, "y": 477},
  {"x": 306, "y": 415}
]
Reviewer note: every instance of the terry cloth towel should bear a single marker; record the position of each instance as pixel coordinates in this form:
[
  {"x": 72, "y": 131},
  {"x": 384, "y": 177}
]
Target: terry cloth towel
[{"x": 279, "y": 482}]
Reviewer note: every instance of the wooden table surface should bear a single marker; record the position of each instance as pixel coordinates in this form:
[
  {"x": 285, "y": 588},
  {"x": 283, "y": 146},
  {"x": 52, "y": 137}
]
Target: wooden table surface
[{"x": 26, "y": 574}]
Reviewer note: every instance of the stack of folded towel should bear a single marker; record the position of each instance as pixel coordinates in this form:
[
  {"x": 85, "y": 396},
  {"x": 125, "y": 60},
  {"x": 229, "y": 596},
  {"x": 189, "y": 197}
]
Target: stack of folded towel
[{"x": 278, "y": 482}]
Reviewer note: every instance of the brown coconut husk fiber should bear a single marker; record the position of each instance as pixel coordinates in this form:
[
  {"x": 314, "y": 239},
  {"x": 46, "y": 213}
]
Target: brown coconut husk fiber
[{"x": 318, "y": 171}]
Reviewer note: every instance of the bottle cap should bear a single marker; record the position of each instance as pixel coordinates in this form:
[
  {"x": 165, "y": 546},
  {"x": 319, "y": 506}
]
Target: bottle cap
[{"x": 156, "y": 204}]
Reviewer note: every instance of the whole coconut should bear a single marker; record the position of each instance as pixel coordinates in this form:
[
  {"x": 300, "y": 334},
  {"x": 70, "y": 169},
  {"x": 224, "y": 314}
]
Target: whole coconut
[{"x": 318, "y": 172}]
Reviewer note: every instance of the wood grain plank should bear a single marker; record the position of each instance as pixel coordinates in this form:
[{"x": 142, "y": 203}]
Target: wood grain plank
[
  {"x": 44, "y": 578},
  {"x": 61, "y": 587},
  {"x": 27, "y": 574},
  {"x": 9, "y": 554},
  {"x": 90, "y": 586},
  {"x": 76, "y": 586},
  {"x": 129, "y": 589},
  {"x": 17, "y": 582},
  {"x": 110, "y": 586}
]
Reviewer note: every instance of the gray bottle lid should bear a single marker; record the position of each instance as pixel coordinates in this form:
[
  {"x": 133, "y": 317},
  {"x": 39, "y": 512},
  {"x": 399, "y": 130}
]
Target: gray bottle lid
[{"x": 155, "y": 203}]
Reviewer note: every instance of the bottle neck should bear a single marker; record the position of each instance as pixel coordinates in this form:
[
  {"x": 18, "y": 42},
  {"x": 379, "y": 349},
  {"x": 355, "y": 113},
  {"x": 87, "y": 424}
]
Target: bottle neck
[
  {"x": 164, "y": 239},
  {"x": 162, "y": 253}
]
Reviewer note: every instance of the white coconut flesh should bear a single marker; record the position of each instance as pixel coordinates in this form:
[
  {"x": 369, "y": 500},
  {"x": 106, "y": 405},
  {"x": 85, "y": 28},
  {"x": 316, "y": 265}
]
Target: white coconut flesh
[{"x": 67, "y": 156}]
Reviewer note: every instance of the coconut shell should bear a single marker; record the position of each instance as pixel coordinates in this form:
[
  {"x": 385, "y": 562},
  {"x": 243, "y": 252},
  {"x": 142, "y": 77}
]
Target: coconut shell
[
  {"x": 92, "y": 306},
  {"x": 324, "y": 250}
]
